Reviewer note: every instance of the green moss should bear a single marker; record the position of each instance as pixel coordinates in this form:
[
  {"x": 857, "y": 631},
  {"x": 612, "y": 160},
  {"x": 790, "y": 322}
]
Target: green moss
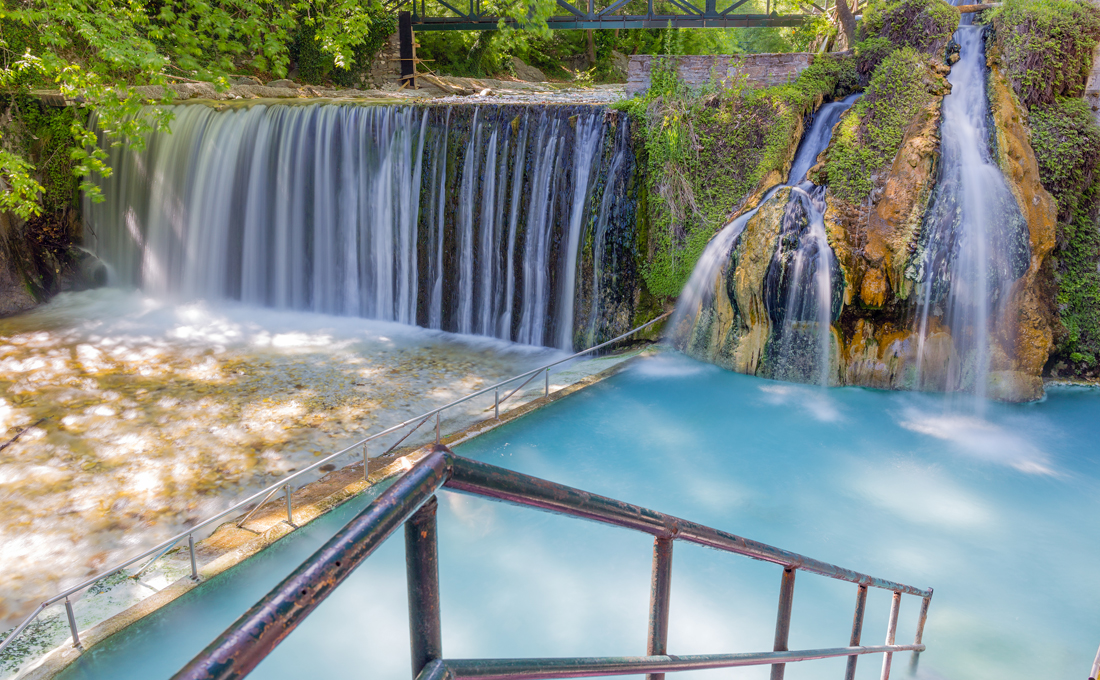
[
  {"x": 316, "y": 67},
  {"x": 1079, "y": 286},
  {"x": 870, "y": 134},
  {"x": 706, "y": 151},
  {"x": 1066, "y": 141},
  {"x": 1046, "y": 46},
  {"x": 46, "y": 136},
  {"x": 924, "y": 25}
]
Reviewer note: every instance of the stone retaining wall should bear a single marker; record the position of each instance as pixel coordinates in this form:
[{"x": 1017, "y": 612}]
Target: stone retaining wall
[{"x": 764, "y": 70}]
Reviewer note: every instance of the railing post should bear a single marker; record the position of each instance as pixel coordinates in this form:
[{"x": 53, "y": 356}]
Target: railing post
[
  {"x": 918, "y": 638},
  {"x": 72, "y": 622},
  {"x": 783, "y": 620},
  {"x": 422, "y": 570},
  {"x": 857, "y": 631},
  {"x": 547, "y": 382},
  {"x": 891, "y": 632},
  {"x": 366, "y": 472},
  {"x": 657, "y": 644},
  {"x": 437, "y": 427},
  {"x": 289, "y": 507},
  {"x": 194, "y": 564},
  {"x": 496, "y": 404}
]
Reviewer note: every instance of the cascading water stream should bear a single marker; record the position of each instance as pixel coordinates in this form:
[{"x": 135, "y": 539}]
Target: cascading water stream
[
  {"x": 974, "y": 240},
  {"x": 465, "y": 219},
  {"x": 807, "y": 299}
]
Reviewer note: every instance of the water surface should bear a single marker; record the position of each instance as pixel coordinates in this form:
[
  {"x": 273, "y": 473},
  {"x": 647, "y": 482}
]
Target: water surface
[{"x": 998, "y": 514}]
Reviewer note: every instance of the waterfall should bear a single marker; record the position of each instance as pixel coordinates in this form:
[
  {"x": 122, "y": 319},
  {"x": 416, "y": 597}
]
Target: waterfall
[
  {"x": 974, "y": 242},
  {"x": 800, "y": 277},
  {"x": 461, "y": 218},
  {"x": 799, "y": 288}
]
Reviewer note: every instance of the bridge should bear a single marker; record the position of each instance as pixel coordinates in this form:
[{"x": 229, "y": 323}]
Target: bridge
[{"x": 473, "y": 15}]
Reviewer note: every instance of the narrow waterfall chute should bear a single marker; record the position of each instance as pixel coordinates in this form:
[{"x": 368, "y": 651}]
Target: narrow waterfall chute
[{"x": 974, "y": 240}]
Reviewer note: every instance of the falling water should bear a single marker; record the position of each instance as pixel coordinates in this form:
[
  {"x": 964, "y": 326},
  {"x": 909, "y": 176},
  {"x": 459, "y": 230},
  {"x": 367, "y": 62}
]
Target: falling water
[
  {"x": 802, "y": 268},
  {"x": 974, "y": 241},
  {"x": 799, "y": 291},
  {"x": 465, "y": 219}
]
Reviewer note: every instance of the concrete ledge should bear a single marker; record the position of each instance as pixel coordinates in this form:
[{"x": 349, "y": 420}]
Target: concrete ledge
[{"x": 763, "y": 70}]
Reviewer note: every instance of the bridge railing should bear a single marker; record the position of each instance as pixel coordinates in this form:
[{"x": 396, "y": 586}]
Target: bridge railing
[
  {"x": 411, "y": 503},
  {"x": 285, "y": 485},
  {"x": 469, "y": 15}
]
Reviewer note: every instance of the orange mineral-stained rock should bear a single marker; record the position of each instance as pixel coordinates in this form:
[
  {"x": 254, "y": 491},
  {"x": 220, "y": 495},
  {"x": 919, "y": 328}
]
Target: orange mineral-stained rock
[{"x": 874, "y": 288}]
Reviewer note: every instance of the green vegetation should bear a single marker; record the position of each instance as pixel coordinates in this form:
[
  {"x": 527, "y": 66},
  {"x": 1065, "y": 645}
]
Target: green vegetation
[
  {"x": 869, "y": 136},
  {"x": 1046, "y": 46},
  {"x": 97, "y": 52},
  {"x": 688, "y": 134},
  {"x": 1066, "y": 140},
  {"x": 562, "y": 55},
  {"x": 923, "y": 25}
]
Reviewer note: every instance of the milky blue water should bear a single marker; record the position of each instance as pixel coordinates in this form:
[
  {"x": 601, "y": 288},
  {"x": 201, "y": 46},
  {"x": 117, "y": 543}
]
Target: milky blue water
[{"x": 1000, "y": 515}]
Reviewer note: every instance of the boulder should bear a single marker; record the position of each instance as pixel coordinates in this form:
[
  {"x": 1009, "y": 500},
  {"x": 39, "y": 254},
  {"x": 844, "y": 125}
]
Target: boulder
[
  {"x": 526, "y": 72},
  {"x": 283, "y": 82}
]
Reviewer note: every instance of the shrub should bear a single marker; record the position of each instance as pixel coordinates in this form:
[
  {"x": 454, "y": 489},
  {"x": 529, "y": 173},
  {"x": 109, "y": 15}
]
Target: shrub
[
  {"x": 870, "y": 134},
  {"x": 924, "y": 25},
  {"x": 1046, "y": 46},
  {"x": 1066, "y": 141}
]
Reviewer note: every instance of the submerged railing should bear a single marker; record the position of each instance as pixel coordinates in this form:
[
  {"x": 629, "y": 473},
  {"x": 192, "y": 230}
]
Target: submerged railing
[
  {"x": 266, "y": 493},
  {"x": 411, "y": 502}
]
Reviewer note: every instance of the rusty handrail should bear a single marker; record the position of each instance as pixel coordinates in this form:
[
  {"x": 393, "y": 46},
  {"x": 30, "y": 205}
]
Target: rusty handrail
[
  {"x": 411, "y": 501},
  {"x": 285, "y": 482}
]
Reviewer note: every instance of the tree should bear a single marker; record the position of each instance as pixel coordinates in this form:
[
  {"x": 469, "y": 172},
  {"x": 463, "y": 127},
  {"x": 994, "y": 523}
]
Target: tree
[{"x": 97, "y": 52}]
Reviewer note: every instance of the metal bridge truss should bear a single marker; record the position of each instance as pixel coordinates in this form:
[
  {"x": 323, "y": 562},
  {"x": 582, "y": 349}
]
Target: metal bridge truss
[{"x": 472, "y": 15}]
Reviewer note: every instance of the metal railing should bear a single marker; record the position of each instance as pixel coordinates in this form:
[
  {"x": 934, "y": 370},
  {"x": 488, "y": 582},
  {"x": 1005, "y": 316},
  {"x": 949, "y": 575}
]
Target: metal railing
[
  {"x": 266, "y": 493},
  {"x": 411, "y": 502}
]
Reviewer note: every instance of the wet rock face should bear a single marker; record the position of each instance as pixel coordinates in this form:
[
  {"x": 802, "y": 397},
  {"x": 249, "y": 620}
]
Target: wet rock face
[
  {"x": 733, "y": 326},
  {"x": 879, "y": 249},
  {"x": 1025, "y": 337}
]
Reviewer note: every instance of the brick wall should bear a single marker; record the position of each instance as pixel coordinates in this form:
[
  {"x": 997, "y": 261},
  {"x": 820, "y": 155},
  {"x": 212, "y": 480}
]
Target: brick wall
[{"x": 764, "y": 70}]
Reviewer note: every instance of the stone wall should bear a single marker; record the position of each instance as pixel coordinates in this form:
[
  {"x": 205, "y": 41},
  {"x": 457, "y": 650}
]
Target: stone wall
[{"x": 764, "y": 70}]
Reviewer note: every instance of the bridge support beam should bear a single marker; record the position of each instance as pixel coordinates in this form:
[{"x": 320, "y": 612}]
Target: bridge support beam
[{"x": 407, "y": 47}]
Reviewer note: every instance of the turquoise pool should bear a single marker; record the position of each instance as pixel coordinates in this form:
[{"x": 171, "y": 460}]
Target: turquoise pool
[{"x": 998, "y": 513}]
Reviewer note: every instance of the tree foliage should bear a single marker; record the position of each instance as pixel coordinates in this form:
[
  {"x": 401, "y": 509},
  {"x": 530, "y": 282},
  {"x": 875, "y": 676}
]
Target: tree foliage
[{"x": 97, "y": 52}]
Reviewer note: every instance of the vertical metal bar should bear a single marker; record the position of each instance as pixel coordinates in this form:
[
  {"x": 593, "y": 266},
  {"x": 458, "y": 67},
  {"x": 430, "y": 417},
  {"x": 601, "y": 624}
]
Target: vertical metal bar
[
  {"x": 918, "y": 638},
  {"x": 422, "y": 570},
  {"x": 857, "y": 631},
  {"x": 496, "y": 406},
  {"x": 783, "y": 620},
  {"x": 194, "y": 564},
  {"x": 657, "y": 644},
  {"x": 891, "y": 632},
  {"x": 72, "y": 622},
  {"x": 437, "y": 427},
  {"x": 366, "y": 474},
  {"x": 289, "y": 507},
  {"x": 547, "y": 382},
  {"x": 406, "y": 45}
]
